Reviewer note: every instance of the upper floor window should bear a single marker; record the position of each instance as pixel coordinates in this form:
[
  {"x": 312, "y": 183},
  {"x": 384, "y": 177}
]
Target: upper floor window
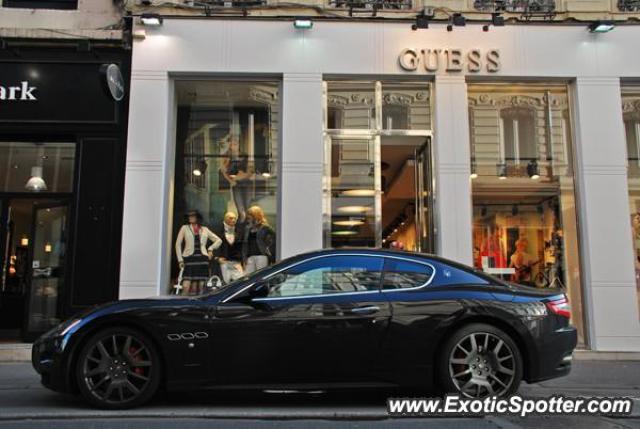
[
  {"x": 328, "y": 275},
  {"x": 518, "y": 134},
  {"x": 41, "y": 4}
]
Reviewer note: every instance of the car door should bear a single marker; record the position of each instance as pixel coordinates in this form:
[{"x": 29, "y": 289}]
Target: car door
[{"x": 317, "y": 321}]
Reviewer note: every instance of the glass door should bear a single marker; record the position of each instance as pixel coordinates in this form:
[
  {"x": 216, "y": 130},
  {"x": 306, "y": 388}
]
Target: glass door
[
  {"x": 424, "y": 198},
  {"x": 353, "y": 192},
  {"x": 377, "y": 169},
  {"x": 49, "y": 233}
]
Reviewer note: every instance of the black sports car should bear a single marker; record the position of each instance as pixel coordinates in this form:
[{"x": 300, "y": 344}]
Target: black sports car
[{"x": 332, "y": 318}]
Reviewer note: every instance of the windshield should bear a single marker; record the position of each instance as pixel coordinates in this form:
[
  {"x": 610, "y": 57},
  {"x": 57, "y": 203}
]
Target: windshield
[{"x": 243, "y": 279}]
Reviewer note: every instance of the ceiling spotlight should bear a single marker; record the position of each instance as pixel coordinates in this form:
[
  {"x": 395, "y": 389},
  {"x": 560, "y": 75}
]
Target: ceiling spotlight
[
  {"x": 532, "y": 170},
  {"x": 197, "y": 172},
  {"x": 458, "y": 20},
  {"x": 354, "y": 209},
  {"x": 601, "y": 26},
  {"x": 350, "y": 222},
  {"x": 485, "y": 28},
  {"x": 303, "y": 23},
  {"x": 502, "y": 171},
  {"x": 422, "y": 22},
  {"x": 151, "y": 19},
  {"x": 358, "y": 192},
  {"x": 449, "y": 27}
]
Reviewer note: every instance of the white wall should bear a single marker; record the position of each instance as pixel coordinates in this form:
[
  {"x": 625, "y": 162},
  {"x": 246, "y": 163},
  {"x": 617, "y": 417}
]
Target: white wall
[{"x": 301, "y": 58}]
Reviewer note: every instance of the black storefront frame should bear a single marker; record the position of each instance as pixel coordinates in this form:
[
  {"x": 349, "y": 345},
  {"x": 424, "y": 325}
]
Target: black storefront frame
[{"x": 96, "y": 142}]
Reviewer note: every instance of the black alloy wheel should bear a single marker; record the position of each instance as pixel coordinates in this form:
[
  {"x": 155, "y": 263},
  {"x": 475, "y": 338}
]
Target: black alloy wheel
[
  {"x": 118, "y": 368},
  {"x": 479, "y": 361}
]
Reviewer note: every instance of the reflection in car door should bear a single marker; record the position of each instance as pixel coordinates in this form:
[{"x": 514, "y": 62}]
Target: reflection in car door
[{"x": 324, "y": 320}]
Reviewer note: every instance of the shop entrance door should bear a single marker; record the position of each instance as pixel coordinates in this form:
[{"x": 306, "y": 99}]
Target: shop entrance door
[
  {"x": 379, "y": 192},
  {"x": 377, "y": 165},
  {"x": 32, "y": 253}
]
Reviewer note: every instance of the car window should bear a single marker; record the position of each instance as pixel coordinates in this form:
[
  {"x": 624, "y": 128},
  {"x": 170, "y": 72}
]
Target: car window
[
  {"x": 402, "y": 274},
  {"x": 328, "y": 275},
  {"x": 447, "y": 275}
]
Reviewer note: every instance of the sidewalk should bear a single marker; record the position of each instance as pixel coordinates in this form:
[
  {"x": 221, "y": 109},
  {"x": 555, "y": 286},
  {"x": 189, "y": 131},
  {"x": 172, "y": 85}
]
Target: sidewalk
[{"x": 22, "y": 397}]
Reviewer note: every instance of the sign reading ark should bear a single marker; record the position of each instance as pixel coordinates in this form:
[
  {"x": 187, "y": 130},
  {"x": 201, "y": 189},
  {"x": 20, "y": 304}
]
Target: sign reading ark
[{"x": 450, "y": 60}]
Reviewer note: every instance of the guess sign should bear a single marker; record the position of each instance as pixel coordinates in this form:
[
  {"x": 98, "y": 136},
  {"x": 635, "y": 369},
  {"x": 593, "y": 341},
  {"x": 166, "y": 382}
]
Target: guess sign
[{"x": 450, "y": 60}]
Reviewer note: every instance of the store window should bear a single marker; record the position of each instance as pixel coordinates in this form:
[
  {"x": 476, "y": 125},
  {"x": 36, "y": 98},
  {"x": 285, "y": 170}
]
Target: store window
[
  {"x": 378, "y": 165},
  {"x": 524, "y": 207},
  {"x": 631, "y": 117},
  {"x": 225, "y": 203}
]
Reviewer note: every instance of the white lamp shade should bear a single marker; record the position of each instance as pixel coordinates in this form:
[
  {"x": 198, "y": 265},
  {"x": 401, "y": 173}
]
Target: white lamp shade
[{"x": 36, "y": 183}]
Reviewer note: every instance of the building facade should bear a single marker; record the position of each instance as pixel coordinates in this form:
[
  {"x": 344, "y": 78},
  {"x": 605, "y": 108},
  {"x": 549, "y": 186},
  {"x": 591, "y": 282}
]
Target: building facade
[
  {"x": 64, "y": 75},
  {"x": 512, "y": 149}
]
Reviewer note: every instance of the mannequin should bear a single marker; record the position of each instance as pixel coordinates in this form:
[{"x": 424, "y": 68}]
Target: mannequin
[
  {"x": 194, "y": 257},
  {"x": 258, "y": 247},
  {"x": 238, "y": 171},
  {"x": 229, "y": 255}
]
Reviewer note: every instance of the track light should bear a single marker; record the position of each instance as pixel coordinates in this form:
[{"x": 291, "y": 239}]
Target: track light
[
  {"x": 601, "y": 26},
  {"x": 497, "y": 20},
  {"x": 449, "y": 27},
  {"x": 458, "y": 20},
  {"x": 485, "y": 28},
  {"x": 303, "y": 24},
  {"x": 151, "y": 19},
  {"x": 474, "y": 171},
  {"x": 422, "y": 22},
  {"x": 532, "y": 170},
  {"x": 502, "y": 171}
]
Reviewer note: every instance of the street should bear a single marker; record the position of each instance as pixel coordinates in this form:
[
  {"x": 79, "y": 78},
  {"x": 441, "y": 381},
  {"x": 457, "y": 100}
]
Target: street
[{"x": 24, "y": 403}]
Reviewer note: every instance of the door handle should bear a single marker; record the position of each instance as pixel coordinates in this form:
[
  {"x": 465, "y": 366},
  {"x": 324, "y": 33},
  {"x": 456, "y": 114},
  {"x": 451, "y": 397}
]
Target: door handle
[{"x": 366, "y": 310}]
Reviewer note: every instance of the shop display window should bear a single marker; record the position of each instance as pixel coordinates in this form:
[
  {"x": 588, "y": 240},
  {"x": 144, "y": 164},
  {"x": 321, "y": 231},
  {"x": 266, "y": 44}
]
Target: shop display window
[
  {"x": 524, "y": 206},
  {"x": 631, "y": 117},
  {"x": 225, "y": 205}
]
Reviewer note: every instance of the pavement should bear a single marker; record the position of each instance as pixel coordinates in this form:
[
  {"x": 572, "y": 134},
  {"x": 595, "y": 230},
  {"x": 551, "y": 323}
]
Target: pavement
[{"x": 24, "y": 403}]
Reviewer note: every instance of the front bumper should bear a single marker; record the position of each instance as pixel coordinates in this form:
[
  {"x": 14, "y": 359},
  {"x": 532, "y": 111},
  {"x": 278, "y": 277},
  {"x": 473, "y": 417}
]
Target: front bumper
[
  {"x": 554, "y": 354},
  {"x": 50, "y": 363}
]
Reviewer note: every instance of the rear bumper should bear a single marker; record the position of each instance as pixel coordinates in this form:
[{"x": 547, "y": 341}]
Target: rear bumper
[{"x": 554, "y": 355}]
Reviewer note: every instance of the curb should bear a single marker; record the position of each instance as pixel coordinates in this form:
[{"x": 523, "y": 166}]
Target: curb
[{"x": 15, "y": 352}]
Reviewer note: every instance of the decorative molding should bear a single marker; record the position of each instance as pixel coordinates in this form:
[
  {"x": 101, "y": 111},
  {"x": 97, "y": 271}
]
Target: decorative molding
[
  {"x": 604, "y": 170},
  {"x": 302, "y": 167},
  {"x": 519, "y": 100},
  {"x": 144, "y": 165},
  {"x": 149, "y": 75}
]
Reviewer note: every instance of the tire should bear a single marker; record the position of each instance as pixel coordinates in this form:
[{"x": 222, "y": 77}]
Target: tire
[
  {"x": 493, "y": 367},
  {"x": 118, "y": 368}
]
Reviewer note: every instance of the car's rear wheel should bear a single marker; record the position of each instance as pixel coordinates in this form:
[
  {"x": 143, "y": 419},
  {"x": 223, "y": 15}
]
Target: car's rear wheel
[
  {"x": 480, "y": 360},
  {"x": 118, "y": 368}
]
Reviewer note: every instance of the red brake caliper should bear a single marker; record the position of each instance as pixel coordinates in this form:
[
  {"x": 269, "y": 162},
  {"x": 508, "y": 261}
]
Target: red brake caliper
[{"x": 136, "y": 358}]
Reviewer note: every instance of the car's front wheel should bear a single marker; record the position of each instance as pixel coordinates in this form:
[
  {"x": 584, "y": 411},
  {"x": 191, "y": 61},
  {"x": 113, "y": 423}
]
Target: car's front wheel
[
  {"x": 118, "y": 368},
  {"x": 480, "y": 360}
]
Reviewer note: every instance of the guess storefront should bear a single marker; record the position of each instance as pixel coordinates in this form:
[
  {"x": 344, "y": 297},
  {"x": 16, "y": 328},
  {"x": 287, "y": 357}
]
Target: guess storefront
[
  {"x": 62, "y": 147},
  {"x": 502, "y": 149}
]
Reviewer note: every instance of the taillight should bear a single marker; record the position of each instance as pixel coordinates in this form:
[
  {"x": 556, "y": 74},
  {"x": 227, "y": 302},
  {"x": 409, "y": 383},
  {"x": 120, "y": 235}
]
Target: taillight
[{"x": 560, "y": 307}]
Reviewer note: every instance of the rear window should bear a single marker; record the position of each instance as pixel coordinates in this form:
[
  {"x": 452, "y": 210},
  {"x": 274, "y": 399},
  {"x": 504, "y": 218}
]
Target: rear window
[
  {"x": 447, "y": 275},
  {"x": 402, "y": 274}
]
